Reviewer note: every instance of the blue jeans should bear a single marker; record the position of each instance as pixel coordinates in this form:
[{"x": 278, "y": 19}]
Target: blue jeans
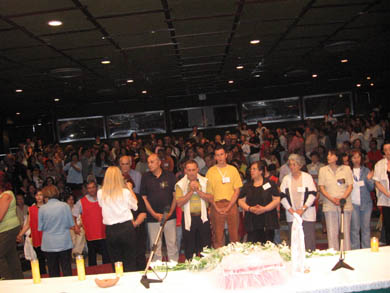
[{"x": 360, "y": 222}]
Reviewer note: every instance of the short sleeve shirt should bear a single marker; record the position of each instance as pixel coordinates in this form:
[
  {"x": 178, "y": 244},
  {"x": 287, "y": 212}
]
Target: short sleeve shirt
[
  {"x": 335, "y": 183},
  {"x": 158, "y": 191},
  {"x": 223, "y": 189}
]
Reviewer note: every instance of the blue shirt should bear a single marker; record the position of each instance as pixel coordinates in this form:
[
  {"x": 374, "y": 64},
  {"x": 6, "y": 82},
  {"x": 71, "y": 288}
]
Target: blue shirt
[
  {"x": 136, "y": 176},
  {"x": 55, "y": 220},
  {"x": 74, "y": 176}
]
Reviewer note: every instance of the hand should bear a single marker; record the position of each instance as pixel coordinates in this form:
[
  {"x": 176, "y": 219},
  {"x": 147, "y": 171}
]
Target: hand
[
  {"x": 194, "y": 185},
  {"x": 300, "y": 212},
  {"x": 19, "y": 238},
  {"x": 134, "y": 224},
  {"x": 370, "y": 175},
  {"x": 77, "y": 230},
  {"x": 259, "y": 209},
  {"x": 220, "y": 211},
  {"x": 336, "y": 201},
  {"x": 129, "y": 185},
  {"x": 158, "y": 217}
]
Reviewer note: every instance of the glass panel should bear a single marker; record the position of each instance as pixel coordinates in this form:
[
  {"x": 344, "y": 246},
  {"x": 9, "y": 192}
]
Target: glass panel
[
  {"x": 362, "y": 103},
  {"x": 271, "y": 110},
  {"x": 123, "y": 125},
  {"x": 203, "y": 117},
  {"x": 319, "y": 105},
  {"x": 226, "y": 115},
  {"x": 86, "y": 128}
]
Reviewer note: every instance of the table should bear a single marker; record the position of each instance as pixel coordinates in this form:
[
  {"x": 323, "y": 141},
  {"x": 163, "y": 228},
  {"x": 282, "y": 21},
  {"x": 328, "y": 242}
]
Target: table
[{"x": 372, "y": 271}]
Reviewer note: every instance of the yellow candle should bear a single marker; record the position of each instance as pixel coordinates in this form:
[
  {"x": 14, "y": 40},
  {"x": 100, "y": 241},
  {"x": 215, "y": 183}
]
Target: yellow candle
[
  {"x": 35, "y": 271},
  {"x": 374, "y": 244},
  {"x": 80, "y": 267},
  {"x": 119, "y": 269}
]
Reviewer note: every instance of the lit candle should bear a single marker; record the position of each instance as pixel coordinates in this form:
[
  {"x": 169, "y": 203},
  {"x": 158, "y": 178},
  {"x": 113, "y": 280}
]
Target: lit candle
[
  {"x": 35, "y": 271},
  {"x": 119, "y": 269},
  {"x": 374, "y": 244},
  {"x": 80, "y": 267}
]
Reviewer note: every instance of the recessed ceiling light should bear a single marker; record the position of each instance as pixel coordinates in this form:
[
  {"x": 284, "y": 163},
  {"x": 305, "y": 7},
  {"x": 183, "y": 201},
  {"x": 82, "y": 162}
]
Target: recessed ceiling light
[
  {"x": 372, "y": 84},
  {"x": 231, "y": 81},
  {"x": 130, "y": 80},
  {"x": 105, "y": 61},
  {"x": 255, "y": 42},
  {"x": 55, "y": 22},
  {"x": 17, "y": 113},
  {"x": 314, "y": 75},
  {"x": 358, "y": 85},
  {"x": 56, "y": 100},
  {"x": 18, "y": 90},
  {"x": 344, "y": 60},
  {"x": 257, "y": 75},
  {"x": 144, "y": 92},
  {"x": 368, "y": 77},
  {"x": 239, "y": 67}
]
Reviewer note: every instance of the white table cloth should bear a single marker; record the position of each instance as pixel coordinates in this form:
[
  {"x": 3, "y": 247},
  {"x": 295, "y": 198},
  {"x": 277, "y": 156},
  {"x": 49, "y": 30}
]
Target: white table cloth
[{"x": 372, "y": 271}]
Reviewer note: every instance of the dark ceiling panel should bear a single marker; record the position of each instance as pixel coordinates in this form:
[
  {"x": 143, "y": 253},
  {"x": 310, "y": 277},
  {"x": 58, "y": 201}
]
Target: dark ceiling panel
[
  {"x": 333, "y": 14},
  {"x": 134, "y": 24},
  {"x": 37, "y": 24},
  {"x": 99, "y": 8},
  {"x": 20, "y": 6}
]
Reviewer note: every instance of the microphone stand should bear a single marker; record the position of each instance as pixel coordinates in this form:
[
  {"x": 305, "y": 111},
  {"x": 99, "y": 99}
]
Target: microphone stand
[
  {"x": 341, "y": 264},
  {"x": 144, "y": 280}
]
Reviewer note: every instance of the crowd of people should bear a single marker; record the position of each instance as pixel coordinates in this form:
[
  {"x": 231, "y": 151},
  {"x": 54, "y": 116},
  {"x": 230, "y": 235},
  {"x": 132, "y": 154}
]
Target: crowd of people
[{"x": 110, "y": 197}]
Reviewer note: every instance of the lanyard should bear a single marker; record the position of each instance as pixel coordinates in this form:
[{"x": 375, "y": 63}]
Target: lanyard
[{"x": 223, "y": 175}]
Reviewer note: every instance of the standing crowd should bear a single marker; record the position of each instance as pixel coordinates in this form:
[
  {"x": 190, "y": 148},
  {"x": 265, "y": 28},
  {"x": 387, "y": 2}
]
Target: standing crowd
[{"x": 109, "y": 198}]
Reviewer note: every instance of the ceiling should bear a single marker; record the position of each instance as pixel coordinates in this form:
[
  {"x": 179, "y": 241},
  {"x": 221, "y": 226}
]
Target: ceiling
[{"x": 175, "y": 49}]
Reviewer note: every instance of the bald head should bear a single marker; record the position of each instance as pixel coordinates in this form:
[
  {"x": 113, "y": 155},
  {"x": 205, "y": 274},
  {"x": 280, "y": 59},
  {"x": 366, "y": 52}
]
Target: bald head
[
  {"x": 125, "y": 164},
  {"x": 154, "y": 163}
]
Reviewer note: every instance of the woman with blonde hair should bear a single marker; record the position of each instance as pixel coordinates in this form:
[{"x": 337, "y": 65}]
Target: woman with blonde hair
[{"x": 117, "y": 202}]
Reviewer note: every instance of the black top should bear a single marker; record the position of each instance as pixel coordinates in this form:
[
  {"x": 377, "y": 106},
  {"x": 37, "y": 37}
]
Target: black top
[
  {"x": 254, "y": 140},
  {"x": 259, "y": 195},
  {"x": 141, "y": 209},
  {"x": 159, "y": 192}
]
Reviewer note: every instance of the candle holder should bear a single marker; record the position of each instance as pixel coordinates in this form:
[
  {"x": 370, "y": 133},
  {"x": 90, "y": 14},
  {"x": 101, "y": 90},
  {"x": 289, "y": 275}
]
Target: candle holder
[
  {"x": 36, "y": 275},
  {"x": 119, "y": 269},
  {"x": 374, "y": 244},
  {"x": 80, "y": 267}
]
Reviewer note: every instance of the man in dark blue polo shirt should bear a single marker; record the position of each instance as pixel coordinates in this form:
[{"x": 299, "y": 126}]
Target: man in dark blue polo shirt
[{"x": 157, "y": 190}]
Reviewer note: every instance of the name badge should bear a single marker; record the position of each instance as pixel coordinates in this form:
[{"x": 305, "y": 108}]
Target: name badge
[
  {"x": 301, "y": 189},
  {"x": 225, "y": 179},
  {"x": 340, "y": 181},
  {"x": 266, "y": 186},
  {"x": 360, "y": 183}
]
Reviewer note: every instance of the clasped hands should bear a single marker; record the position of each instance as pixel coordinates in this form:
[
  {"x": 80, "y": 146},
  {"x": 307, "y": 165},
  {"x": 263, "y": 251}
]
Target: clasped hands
[{"x": 257, "y": 209}]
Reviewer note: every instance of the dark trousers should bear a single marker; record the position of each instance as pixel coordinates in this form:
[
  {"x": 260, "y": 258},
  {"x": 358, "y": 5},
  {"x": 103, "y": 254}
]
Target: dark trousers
[
  {"x": 140, "y": 232},
  {"x": 386, "y": 223},
  {"x": 57, "y": 259},
  {"x": 198, "y": 237},
  {"x": 121, "y": 244},
  {"x": 261, "y": 235},
  {"x": 97, "y": 246},
  {"x": 10, "y": 267},
  {"x": 41, "y": 259}
]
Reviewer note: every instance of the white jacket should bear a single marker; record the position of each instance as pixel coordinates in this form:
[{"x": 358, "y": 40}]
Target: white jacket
[
  {"x": 183, "y": 184},
  {"x": 380, "y": 175},
  {"x": 307, "y": 182}
]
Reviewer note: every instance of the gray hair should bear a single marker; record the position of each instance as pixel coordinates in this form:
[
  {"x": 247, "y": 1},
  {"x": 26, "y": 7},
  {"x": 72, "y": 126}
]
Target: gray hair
[{"x": 298, "y": 159}]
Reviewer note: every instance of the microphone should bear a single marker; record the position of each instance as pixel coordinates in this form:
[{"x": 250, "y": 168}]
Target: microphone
[
  {"x": 342, "y": 203},
  {"x": 165, "y": 215}
]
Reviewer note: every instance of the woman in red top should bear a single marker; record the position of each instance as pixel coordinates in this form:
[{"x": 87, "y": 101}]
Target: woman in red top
[{"x": 36, "y": 236}]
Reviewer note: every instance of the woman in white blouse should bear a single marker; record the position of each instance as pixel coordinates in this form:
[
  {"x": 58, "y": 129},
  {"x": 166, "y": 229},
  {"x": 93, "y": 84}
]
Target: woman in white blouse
[
  {"x": 382, "y": 179},
  {"x": 117, "y": 202},
  {"x": 299, "y": 194}
]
